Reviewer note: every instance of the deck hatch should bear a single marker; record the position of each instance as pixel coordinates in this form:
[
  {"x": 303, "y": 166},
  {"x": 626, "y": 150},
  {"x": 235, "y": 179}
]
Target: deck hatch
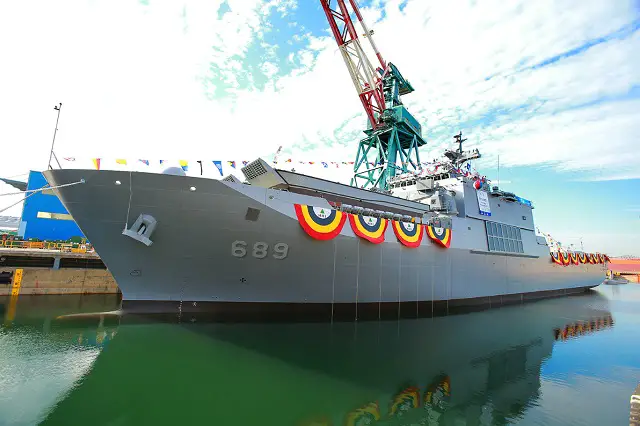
[{"x": 252, "y": 214}]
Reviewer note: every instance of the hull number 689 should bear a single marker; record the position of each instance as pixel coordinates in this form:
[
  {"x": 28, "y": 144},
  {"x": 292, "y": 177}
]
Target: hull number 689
[{"x": 259, "y": 250}]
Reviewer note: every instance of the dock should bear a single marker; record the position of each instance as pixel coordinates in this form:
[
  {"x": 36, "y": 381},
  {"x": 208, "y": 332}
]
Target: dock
[
  {"x": 628, "y": 268},
  {"x": 50, "y": 271}
]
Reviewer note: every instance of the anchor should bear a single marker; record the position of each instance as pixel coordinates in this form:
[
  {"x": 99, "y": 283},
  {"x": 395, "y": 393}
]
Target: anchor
[{"x": 142, "y": 229}]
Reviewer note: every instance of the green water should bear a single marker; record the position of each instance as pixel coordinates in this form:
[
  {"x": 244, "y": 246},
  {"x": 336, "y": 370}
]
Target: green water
[{"x": 504, "y": 366}]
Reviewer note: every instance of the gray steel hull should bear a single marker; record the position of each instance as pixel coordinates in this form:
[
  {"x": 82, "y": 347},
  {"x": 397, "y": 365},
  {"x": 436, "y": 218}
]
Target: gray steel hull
[{"x": 191, "y": 258}]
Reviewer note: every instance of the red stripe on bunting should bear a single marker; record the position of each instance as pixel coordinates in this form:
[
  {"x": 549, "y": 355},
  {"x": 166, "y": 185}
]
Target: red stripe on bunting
[
  {"x": 317, "y": 227},
  {"x": 408, "y": 237}
]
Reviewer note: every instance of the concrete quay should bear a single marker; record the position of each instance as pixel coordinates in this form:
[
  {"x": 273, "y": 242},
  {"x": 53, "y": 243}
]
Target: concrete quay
[{"x": 53, "y": 272}]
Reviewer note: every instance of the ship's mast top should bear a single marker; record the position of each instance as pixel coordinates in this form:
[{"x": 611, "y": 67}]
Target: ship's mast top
[
  {"x": 458, "y": 157},
  {"x": 459, "y": 140}
]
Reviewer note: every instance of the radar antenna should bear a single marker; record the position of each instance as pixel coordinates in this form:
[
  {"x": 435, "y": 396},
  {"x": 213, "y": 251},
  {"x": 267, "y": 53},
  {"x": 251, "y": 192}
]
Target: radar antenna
[{"x": 458, "y": 157}]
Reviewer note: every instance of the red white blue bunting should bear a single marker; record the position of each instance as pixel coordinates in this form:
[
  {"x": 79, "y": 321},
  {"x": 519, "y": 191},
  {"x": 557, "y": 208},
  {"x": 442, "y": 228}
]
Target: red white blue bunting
[
  {"x": 408, "y": 233},
  {"x": 320, "y": 223},
  {"x": 441, "y": 236},
  {"x": 569, "y": 258},
  {"x": 369, "y": 228}
]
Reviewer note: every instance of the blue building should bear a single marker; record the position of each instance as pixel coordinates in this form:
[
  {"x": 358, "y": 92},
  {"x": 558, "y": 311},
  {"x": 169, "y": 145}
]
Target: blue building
[{"x": 43, "y": 215}]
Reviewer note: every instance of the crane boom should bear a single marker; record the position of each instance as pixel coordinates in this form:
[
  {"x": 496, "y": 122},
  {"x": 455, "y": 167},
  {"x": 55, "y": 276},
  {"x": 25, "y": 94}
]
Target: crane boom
[
  {"x": 366, "y": 78},
  {"x": 394, "y": 136}
]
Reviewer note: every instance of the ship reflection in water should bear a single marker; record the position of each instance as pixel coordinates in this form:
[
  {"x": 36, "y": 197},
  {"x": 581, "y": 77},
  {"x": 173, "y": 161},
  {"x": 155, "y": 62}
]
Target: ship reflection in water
[{"x": 554, "y": 362}]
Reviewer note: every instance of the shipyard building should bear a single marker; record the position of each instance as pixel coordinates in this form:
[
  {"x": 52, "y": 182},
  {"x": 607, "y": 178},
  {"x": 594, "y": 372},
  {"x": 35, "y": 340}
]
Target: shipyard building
[{"x": 43, "y": 215}]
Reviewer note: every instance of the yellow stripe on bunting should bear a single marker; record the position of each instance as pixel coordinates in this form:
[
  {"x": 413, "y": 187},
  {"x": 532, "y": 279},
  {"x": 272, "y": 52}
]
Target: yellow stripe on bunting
[
  {"x": 320, "y": 223},
  {"x": 565, "y": 258},
  {"x": 592, "y": 258},
  {"x": 440, "y": 236},
  {"x": 408, "y": 233},
  {"x": 370, "y": 228},
  {"x": 556, "y": 258},
  {"x": 574, "y": 259},
  {"x": 583, "y": 258},
  {"x": 441, "y": 386},
  {"x": 364, "y": 415},
  {"x": 404, "y": 400}
]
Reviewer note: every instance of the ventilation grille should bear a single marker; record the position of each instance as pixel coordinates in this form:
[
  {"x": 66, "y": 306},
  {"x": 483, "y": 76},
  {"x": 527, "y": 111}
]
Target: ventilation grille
[
  {"x": 232, "y": 179},
  {"x": 253, "y": 170}
]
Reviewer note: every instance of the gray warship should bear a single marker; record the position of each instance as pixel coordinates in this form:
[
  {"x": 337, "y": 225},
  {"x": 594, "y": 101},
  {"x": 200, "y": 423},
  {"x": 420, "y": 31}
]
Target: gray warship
[
  {"x": 402, "y": 239},
  {"x": 287, "y": 243}
]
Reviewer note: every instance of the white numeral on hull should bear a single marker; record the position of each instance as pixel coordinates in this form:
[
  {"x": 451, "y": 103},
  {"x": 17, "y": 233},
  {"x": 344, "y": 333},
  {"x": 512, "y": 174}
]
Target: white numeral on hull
[{"x": 260, "y": 250}]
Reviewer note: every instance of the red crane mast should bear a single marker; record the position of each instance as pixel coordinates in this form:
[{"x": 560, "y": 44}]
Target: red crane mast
[
  {"x": 366, "y": 78},
  {"x": 392, "y": 142}
]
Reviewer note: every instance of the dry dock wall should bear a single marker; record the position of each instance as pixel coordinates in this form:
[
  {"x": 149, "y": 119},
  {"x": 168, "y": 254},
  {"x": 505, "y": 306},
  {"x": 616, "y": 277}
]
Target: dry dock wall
[
  {"x": 68, "y": 281},
  {"x": 54, "y": 273}
]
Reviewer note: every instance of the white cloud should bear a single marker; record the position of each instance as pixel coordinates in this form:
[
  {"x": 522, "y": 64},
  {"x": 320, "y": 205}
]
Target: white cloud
[
  {"x": 269, "y": 69},
  {"x": 130, "y": 78},
  {"x": 494, "y": 39},
  {"x": 597, "y": 139},
  {"x": 611, "y": 177},
  {"x": 282, "y": 6},
  {"x": 133, "y": 82},
  {"x": 561, "y": 114}
]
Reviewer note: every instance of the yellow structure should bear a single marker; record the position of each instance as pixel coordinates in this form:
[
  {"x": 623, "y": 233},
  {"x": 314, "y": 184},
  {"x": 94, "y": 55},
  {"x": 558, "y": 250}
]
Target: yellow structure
[{"x": 17, "y": 282}]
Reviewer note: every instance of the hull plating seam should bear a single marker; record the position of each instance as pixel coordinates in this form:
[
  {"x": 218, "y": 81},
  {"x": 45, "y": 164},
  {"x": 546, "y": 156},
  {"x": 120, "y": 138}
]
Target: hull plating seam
[{"x": 493, "y": 253}]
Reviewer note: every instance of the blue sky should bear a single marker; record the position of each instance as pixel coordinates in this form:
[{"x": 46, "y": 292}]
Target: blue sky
[{"x": 553, "y": 88}]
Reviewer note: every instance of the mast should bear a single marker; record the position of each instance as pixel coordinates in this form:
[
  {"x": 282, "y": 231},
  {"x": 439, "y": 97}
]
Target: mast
[
  {"x": 458, "y": 157},
  {"x": 51, "y": 154},
  {"x": 364, "y": 75}
]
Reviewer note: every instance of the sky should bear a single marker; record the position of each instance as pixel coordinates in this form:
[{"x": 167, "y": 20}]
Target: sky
[{"x": 550, "y": 89}]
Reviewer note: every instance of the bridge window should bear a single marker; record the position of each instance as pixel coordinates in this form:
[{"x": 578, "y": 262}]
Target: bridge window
[{"x": 505, "y": 238}]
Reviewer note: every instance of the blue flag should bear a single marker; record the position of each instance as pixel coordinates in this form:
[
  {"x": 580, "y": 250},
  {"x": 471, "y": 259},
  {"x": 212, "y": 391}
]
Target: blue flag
[{"x": 218, "y": 165}]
